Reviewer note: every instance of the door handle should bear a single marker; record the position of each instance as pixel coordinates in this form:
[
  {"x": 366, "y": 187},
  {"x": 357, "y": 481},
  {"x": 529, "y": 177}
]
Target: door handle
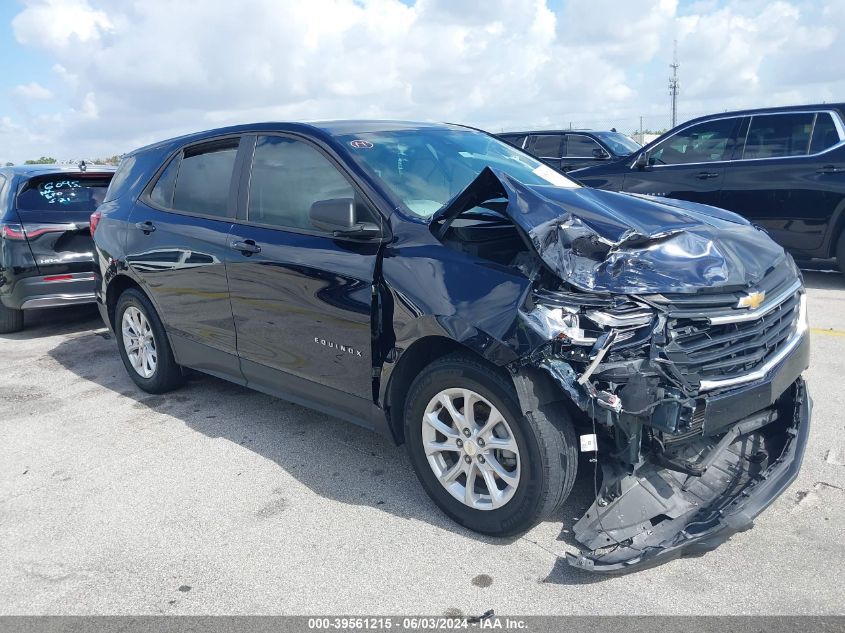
[
  {"x": 147, "y": 227},
  {"x": 707, "y": 175},
  {"x": 830, "y": 169},
  {"x": 247, "y": 247}
]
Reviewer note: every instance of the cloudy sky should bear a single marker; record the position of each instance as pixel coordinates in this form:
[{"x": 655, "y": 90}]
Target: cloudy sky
[{"x": 86, "y": 78}]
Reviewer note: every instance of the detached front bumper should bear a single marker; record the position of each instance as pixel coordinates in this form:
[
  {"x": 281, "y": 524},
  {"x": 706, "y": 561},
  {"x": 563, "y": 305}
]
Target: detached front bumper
[{"x": 705, "y": 528}]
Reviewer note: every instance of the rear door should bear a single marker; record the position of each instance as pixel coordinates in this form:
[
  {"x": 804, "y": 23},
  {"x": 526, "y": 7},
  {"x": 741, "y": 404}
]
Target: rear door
[
  {"x": 301, "y": 298},
  {"x": 177, "y": 245},
  {"x": 549, "y": 148},
  {"x": 786, "y": 178},
  {"x": 55, "y": 210},
  {"x": 688, "y": 165}
]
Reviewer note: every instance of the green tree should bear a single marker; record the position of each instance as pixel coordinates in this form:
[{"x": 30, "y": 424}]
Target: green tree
[{"x": 44, "y": 160}]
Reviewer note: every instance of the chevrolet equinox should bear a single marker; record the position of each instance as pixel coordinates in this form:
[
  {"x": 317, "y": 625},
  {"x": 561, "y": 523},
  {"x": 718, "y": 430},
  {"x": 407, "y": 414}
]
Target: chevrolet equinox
[{"x": 439, "y": 286}]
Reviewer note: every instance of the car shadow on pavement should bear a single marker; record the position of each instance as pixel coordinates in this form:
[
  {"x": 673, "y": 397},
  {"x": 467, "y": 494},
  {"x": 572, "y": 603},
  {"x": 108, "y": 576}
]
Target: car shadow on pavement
[
  {"x": 332, "y": 458},
  {"x": 56, "y": 321}
]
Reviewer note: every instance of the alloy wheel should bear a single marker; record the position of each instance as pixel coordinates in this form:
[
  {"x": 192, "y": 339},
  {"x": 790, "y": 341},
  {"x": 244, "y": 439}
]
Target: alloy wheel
[
  {"x": 471, "y": 449},
  {"x": 139, "y": 342}
]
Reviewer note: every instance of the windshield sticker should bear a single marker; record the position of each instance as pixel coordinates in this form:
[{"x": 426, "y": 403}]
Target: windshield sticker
[
  {"x": 552, "y": 177},
  {"x": 60, "y": 191},
  {"x": 361, "y": 144}
]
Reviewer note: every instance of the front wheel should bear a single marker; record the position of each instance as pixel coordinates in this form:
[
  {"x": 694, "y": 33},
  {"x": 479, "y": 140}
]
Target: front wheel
[
  {"x": 483, "y": 462},
  {"x": 143, "y": 344}
]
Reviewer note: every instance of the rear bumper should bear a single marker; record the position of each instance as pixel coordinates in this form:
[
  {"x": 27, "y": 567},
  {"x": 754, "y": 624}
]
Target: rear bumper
[
  {"x": 43, "y": 292},
  {"x": 703, "y": 528}
]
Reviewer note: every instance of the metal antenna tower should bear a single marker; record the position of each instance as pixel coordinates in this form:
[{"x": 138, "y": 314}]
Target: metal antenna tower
[{"x": 673, "y": 83}]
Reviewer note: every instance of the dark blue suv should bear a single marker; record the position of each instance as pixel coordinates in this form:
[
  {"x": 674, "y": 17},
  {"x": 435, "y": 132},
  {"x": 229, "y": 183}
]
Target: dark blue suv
[{"x": 439, "y": 286}]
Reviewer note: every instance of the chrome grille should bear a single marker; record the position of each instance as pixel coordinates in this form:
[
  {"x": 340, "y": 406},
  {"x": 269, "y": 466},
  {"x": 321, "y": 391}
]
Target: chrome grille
[{"x": 702, "y": 351}]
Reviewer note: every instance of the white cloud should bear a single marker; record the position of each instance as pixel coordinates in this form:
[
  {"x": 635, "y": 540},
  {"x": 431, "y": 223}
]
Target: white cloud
[
  {"x": 33, "y": 91},
  {"x": 132, "y": 71},
  {"x": 66, "y": 76},
  {"x": 59, "y": 24}
]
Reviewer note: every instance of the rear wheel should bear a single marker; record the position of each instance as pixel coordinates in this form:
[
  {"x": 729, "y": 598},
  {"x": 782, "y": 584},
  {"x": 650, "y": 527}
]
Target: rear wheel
[
  {"x": 11, "y": 320},
  {"x": 143, "y": 345},
  {"x": 484, "y": 463}
]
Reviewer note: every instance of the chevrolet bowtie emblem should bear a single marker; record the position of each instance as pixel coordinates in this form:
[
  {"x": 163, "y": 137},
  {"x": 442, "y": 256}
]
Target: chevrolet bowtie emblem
[{"x": 752, "y": 300}]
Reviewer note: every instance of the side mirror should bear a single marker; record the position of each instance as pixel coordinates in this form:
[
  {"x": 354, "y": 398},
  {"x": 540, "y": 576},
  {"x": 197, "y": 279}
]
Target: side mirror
[
  {"x": 339, "y": 216},
  {"x": 599, "y": 153},
  {"x": 642, "y": 161}
]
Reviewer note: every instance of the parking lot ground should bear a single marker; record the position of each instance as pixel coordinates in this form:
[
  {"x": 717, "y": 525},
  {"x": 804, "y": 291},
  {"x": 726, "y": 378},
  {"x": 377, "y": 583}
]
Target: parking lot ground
[{"x": 218, "y": 500}]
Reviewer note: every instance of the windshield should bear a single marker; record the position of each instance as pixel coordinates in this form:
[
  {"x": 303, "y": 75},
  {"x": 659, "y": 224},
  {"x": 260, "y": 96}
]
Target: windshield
[
  {"x": 426, "y": 167},
  {"x": 619, "y": 143}
]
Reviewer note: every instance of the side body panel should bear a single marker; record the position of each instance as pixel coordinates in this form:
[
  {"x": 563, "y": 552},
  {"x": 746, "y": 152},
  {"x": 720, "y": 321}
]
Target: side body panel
[
  {"x": 798, "y": 200},
  {"x": 696, "y": 183},
  {"x": 434, "y": 291},
  {"x": 302, "y": 310},
  {"x": 180, "y": 264}
]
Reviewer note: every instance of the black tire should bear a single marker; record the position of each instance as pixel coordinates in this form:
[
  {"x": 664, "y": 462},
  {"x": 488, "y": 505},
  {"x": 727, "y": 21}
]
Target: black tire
[
  {"x": 840, "y": 253},
  {"x": 548, "y": 454},
  {"x": 167, "y": 375},
  {"x": 11, "y": 320}
]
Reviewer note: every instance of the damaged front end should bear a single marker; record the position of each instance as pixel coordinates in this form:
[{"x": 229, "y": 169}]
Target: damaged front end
[
  {"x": 697, "y": 423},
  {"x": 679, "y": 335}
]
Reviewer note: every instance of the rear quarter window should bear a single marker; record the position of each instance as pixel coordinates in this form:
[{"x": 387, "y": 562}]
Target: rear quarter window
[
  {"x": 825, "y": 134},
  {"x": 63, "y": 192}
]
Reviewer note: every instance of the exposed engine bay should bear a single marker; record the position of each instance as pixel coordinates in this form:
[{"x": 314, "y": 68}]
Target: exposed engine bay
[{"x": 676, "y": 344}]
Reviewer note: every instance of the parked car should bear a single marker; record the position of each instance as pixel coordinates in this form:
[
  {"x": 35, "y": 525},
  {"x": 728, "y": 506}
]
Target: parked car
[
  {"x": 573, "y": 149},
  {"x": 436, "y": 285},
  {"x": 46, "y": 252},
  {"x": 781, "y": 168}
]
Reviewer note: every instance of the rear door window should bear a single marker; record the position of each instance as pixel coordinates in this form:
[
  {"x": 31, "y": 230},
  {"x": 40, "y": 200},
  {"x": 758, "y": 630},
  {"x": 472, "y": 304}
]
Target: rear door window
[
  {"x": 63, "y": 192},
  {"x": 825, "y": 134},
  {"x": 778, "y": 135},
  {"x": 547, "y": 145},
  {"x": 199, "y": 180}
]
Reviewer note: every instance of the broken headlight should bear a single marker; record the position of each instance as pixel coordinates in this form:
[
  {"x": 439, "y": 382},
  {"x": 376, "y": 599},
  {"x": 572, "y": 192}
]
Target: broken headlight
[{"x": 578, "y": 325}]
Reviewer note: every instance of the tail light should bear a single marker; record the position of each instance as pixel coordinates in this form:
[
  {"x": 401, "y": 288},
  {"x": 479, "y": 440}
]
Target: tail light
[
  {"x": 12, "y": 232},
  {"x": 95, "y": 220}
]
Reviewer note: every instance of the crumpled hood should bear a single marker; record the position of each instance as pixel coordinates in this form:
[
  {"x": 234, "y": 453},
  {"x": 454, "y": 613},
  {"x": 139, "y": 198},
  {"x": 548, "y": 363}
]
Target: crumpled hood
[{"x": 602, "y": 241}]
